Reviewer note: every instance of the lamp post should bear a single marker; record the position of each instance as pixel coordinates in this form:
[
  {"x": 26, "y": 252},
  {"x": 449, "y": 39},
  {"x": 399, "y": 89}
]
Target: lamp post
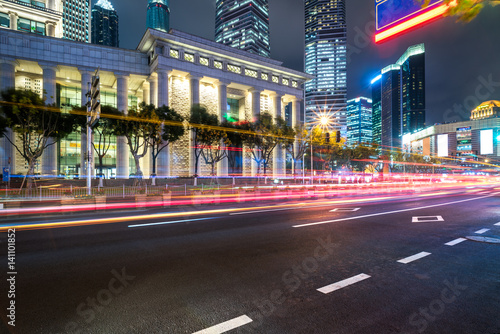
[{"x": 324, "y": 122}]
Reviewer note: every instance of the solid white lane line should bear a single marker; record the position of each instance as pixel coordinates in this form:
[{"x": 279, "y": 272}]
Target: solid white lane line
[
  {"x": 343, "y": 284},
  {"x": 389, "y": 212},
  {"x": 258, "y": 211},
  {"x": 454, "y": 242},
  {"x": 172, "y": 222},
  {"x": 481, "y": 231},
  {"x": 226, "y": 326},
  {"x": 497, "y": 224},
  {"x": 414, "y": 257}
]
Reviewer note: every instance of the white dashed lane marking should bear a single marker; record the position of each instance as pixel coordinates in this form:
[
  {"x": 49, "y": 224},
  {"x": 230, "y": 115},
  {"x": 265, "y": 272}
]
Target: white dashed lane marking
[
  {"x": 454, "y": 242},
  {"x": 414, "y": 257},
  {"x": 343, "y": 284},
  {"x": 481, "y": 231},
  {"x": 226, "y": 326},
  {"x": 427, "y": 219}
]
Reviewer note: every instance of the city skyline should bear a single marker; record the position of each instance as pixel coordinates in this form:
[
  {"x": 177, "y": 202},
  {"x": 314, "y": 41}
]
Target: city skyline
[{"x": 450, "y": 46}]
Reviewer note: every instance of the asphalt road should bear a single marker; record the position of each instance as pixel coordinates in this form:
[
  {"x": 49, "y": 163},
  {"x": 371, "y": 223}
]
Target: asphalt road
[{"x": 274, "y": 269}]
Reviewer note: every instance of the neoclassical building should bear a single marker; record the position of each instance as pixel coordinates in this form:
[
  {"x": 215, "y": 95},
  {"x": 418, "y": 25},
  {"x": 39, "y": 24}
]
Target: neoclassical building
[{"x": 175, "y": 69}]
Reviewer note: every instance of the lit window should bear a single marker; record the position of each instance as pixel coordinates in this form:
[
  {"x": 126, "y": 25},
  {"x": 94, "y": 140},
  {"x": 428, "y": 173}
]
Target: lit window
[
  {"x": 218, "y": 65},
  {"x": 189, "y": 57},
  {"x": 250, "y": 73},
  {"x": 285, "y": 82},
  {"x": 204, "y": 61},
  {"x": 234, "y": 69},
  {"x": 295, "y": 84},
  {"x": 264, "y": 76},
  {"x": 276, "y": 79},
  {"x": 174, "y": 53}
]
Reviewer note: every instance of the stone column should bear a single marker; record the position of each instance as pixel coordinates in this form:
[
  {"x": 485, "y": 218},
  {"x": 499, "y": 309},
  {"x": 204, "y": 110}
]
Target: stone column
[
  {"x": 255, "y": 103},
  {"x": 195, "y": 99},
  {"x": 51, "y": 28},
  {"x": 279, "y": 160},
  {"x": 295, "y": 122},
  {"x": 7, "y": 80},
  {"x": 163, "y": 161},
  {"x": 222, "y": 166},
  {"x": 49, "y": 156},
  {"x": 51, "y": 4},
  {"x": 13, "y": 20},
  {"x": 153, "y": 90},
  {"x": 85, "y": 80},
  {"x": 255, "y": 115},
  {"x": 163, "y": 87},
  {"x": 122, "y": 151},
  {"x": 146, "y": 93}
]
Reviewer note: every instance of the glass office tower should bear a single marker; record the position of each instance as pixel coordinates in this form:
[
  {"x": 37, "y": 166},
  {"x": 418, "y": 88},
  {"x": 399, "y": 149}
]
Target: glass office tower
[
  {"x": 325, "y": 58},
  {"x": 359, "y": 121},
  {"x": 158, "y": 15},
  {"x": 243, "y": 25},
  {"x": 398, "y": 94},
  {"x": 104, "y": 24},
  {"x": 76, "y": 20}
]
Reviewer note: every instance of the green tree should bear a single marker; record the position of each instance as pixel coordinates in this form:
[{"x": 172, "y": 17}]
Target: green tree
[
  {"x": 36, "y": 124},
  {"x": 137, "y": 127},
  {"x": 235, "y": 135},
  {"x": 465, "y": 10},
  {"x": 214, "y": 142},
  {"x": 266, "y": 135},
  {"x": 201, "y": 121},
  {"x": 166, "y": 129}
]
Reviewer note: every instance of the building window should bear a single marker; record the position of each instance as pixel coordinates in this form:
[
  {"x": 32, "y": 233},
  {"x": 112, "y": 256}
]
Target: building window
[
  {"x": 204, "y": 61},
  {"x": 4, "y": 20},
  {"x": 189, "y": 57},
  {"x": 295, "y": 84},
  {"x": 276, "y": 79},
  {"x": 285, "y": 82},
  {"x": 174, "y": 53},
  {"x": 251, "y": 73},
  {"x": 218, "y": 65},
  {"x": 264, "y": 76},
  {"x": 234, "y": 69},
  {"x": 31, "y": 26}
]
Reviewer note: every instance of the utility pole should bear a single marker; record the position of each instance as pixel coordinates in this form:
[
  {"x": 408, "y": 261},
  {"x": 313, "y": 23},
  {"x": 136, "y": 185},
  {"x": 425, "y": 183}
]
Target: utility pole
[{"x": 93, "y": 114}]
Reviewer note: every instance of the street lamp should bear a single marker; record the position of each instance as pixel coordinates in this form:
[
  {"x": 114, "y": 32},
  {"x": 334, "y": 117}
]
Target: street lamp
[{"x": 324, "y": 122}]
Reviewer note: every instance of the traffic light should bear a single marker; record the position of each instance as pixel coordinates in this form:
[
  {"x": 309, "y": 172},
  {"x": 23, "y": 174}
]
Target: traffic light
[{"x": 95, "y": 99}]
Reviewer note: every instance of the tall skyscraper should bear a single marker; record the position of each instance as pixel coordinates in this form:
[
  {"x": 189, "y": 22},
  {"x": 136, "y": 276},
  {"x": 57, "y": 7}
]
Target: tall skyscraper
[
  {"x": 76, "y": 20},
  {"x": 105, "y": 24},
  {"x": 243, "y": 25},
  {"x": 398, "y": 94},
  {"x": 325, "y": 58},
  {"x": 359, "y": 120},
  {"x": 158, "y": 15}
]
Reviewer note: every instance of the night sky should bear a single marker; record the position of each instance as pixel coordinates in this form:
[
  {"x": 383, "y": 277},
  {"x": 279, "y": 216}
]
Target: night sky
[{"x": 460, "y": 58}]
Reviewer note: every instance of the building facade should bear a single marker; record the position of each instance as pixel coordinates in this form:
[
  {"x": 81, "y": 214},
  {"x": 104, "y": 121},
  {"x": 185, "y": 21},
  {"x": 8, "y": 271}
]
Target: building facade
[
  {"x": 76, "y": 20},
  {"x": 467, "y": 142},
  {"x": 359, "y": 121},
  {"x": 173, "y": 69},
  {"x": 325, "y": 59},
  {"x": 104, "y": 26},
  {"x": 158, "y": 15},
  {"x": 42, "y": 17},
  {"x": 243, "y": 25},
  {"x": 399, "y": 98},
  {"x": 486, "y": 109}
]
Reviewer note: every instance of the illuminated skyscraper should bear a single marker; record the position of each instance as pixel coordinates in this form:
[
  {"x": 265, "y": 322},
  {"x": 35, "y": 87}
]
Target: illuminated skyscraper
[
  {"x": 243, "y": 24},
  {"x": 359, "y": 120},
  {"x": 76, "y": 20},
  {"x": 158, "y": 15},
  {"x": 104, "y": 24},
  {"x": 325, "y": 58},
  {"x": 399, "y": 98}
]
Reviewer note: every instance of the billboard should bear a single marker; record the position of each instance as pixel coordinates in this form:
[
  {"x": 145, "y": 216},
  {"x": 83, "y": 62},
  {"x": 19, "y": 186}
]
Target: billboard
[
  {"x": 394, "y": 17},
  {"x": 442, "y": 141},
  {"x": 486, "y": 142}
]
